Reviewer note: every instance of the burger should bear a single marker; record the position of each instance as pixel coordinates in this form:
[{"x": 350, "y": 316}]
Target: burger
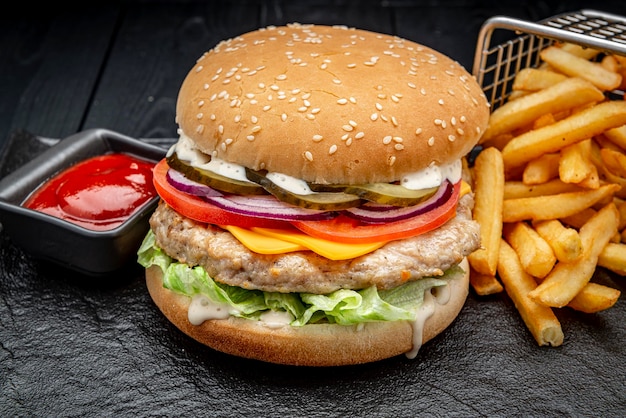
[{"x": 314, "y": 210}]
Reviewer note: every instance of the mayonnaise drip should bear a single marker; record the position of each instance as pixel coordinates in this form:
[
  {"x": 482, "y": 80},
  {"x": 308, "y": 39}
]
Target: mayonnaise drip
[
  {"x": 433, "y": 176},
  {"x": 202, "y": 309},
  {"x": 423, "y": 313},
  {"x": 276, "y": 319},
  {"x": 289, "y": 183}
]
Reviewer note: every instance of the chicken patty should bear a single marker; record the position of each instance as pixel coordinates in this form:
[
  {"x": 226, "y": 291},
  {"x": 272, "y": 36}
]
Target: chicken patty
[{"x": 228, "y": 261}]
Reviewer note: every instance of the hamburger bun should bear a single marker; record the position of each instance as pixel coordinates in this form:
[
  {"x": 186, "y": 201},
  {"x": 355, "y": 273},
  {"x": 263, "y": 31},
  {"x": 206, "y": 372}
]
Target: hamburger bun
[
  {"x": 331, "y": 104},
  {"x": 327, "y": 105},
  {"x": 310, "y": 345}
]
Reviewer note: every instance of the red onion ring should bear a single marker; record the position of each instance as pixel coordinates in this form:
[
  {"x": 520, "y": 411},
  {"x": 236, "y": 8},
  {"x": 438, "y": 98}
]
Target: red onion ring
[
  {"x": 182, "y": 183},
  {"x": 259, "y": 206},
  {"x": 379, "y": 214}
]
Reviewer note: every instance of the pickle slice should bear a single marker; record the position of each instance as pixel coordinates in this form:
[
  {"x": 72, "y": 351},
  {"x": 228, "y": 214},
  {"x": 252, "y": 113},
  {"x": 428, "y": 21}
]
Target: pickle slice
[
  {"x": 336, "y": 200},
  {"x": 383, "y": 193},
  {"x": 214, "y": 180}
]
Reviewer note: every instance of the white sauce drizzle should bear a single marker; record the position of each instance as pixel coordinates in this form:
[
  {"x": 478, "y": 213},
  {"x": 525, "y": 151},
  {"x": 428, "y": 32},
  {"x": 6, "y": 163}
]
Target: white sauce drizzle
[
  {"x": 423, "y": 313},
  {"x": 431, "y": 176},
  {"x": 276, "y": 319},
  {"x": 202, "y": 309},
  {"x": 289, "y": 183}
]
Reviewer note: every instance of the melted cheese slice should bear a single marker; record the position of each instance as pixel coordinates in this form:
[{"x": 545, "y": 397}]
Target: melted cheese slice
[{"x": 280, "y": 241}]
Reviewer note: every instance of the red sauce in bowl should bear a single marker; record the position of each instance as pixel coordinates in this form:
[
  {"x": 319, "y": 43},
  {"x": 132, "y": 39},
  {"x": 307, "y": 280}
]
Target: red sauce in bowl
[{"x": 99, "y": 193}]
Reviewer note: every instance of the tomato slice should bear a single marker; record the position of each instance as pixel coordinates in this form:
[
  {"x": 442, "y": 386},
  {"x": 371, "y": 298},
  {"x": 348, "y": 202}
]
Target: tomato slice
[
  {"x": 199, "y": 210},
  {"x": 348, "y": 230}
]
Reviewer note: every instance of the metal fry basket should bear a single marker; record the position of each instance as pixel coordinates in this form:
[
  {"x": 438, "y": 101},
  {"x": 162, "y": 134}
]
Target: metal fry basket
[{"x": 506, "y": 45}]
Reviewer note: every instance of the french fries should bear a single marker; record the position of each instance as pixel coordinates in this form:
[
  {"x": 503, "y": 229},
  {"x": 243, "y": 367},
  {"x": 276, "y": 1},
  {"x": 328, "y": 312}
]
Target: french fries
[
  {"x": 566, "y": 95},
  {"x": 562, "y": 143},
  {"x": 489, "y": 188},
  {"x": 539, "y": 319}
]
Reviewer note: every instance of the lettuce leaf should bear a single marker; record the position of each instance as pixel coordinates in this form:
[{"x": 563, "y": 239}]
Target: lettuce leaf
[{"x": 342, "y": 306}]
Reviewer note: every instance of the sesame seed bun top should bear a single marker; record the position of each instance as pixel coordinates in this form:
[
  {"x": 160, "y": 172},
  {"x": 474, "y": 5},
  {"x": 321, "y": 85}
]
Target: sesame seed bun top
[{"x": 331, "y": 104}]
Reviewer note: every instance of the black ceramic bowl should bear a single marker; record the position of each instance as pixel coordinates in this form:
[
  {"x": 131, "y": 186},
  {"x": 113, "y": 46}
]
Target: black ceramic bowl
[{"x": 62, "y": 242}]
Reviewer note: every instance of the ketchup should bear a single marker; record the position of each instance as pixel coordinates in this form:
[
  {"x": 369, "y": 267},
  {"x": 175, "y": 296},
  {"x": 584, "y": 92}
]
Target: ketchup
[{"x": 99, "y": 193}]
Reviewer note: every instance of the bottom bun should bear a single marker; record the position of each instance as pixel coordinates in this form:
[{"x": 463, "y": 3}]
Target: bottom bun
[{"x": 309, "y": 345}]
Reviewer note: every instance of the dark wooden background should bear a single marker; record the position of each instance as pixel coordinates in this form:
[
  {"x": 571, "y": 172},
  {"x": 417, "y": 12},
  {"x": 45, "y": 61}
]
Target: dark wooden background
[{"x": 74, "y": 347}]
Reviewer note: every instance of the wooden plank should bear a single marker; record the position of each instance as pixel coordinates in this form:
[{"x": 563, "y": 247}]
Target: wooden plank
[
  {"x": 138, "y": 90},
  {"x": 369, "y": 14},
  {"x": 50, "y": 60}
]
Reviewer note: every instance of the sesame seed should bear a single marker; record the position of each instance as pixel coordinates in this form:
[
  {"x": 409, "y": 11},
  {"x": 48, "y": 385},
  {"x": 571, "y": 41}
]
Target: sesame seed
[
  {"x": 237, "y": 118},
  {"x": 440, "y": 101},
  {"x": 381, "y": 96},
  {"x": 395, "y": 98},
  {"x": 379, "y": 107},
  {"x": 256, "y": 129},
  {"x": 310, "y": 116},
  {"x": 281, "y": 77},
  {"x": 397, "y": 139},
  {"x": 359, "y": 135},
  {"x": 220, "y": 129},
  {"x": 200, "y": 129},
  {"x": 423, "y": 91},
  {"x": 306, "y": 96},
  {"x": 392, "y": 160},
  {"x": 206, "y": 86},
  {"x": 250, "y": 137},
  {"x": 418, "y": 131},
  {"x": 394, "y": 121},
  {"x": 254, "y": 119},
  {"x": 199, "y": 115},
  {"x": 302, "y": 109},
  {"x": 451, "y": 138},
  {"x": 387, "y": 140},
  {"x": 308, "y": 155},
  {"x": 266, "y": 108},
  {"x": 398, "y": 147},
  {"x": 332, "y": 149},
  {"x": 463, "y": 119},
  {"x": 213, "y": 117},
  {"x": 283, "y": 117},
  {"x": 228, "y": 141},
  {"x": 412, "y": 85},
  {"x": 348, "y": 128},
  {"x": 460, "y": 131},
  {"x": 315, "y": 110},
  {"x": 431, "y": 141},
  {"x": 453, "y": 121},
  {"x": 438, "y": 122},
  {"x": 342, "y": 101},
  {"x": 345, "y": 136},
  {"x": 336, "y": 81},
  {"x": 317, "y": 138},
  {"x": 374, "y": 116}
]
